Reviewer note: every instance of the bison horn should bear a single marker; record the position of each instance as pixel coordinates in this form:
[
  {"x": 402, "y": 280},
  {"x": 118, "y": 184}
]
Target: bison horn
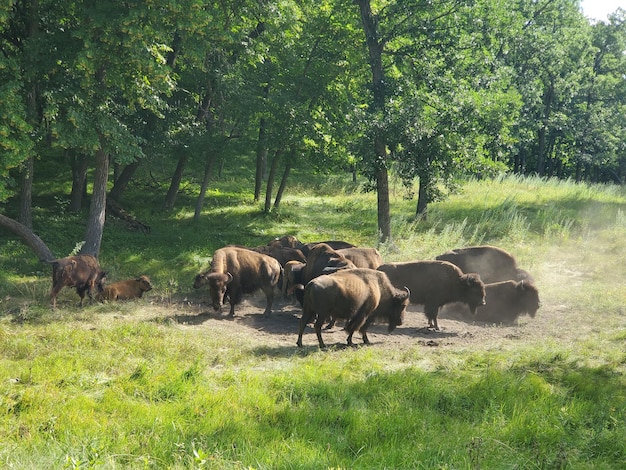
[
  {"x": 230, "y": 278},
  {"x": 408, "y": 292}
]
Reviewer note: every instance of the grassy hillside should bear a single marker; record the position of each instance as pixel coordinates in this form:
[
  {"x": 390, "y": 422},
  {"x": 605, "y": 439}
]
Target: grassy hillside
[{"x": 164, "y": 382}]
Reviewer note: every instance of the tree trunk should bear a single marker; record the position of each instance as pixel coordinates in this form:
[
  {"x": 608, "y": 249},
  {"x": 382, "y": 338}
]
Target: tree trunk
[
  {"x": 79, "y": 164},
  {"x": 97, "y": 210},
  {"x": 172, "y": 192},
  {"x": 423, "y": 196},
  {"x": 261, "y": 160},
  {"x": 28, "y": 237},
  {"x": 122, "y": 180},
  {"x": 26, "y": 193},
  {"x": 542, "y": 151},
  {"x": 375, "y": 49},
  {"x": 270, "y": 181},
  {"x": 283, "y": 181},
  {"x": 208, "y": 171}
]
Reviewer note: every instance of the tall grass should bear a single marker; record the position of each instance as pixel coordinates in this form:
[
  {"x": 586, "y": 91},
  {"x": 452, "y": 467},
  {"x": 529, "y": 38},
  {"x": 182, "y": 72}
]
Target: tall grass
[{"x": 131, "y": 385}]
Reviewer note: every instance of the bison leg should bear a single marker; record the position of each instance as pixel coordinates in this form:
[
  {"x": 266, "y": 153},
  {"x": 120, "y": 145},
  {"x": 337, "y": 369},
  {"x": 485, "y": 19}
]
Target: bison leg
[
  {"x": 318, "y": 330},
  {"x": 269, "y": 295},
  {"x": 304, "y": 320},
  {"x": 431, "y": 313}
]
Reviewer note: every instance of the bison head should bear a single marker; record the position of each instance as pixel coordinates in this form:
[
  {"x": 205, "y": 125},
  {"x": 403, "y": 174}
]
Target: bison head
[
  {"x": 474, "y": 291},
  {"x": 529, "y": 297},
  {"x": 399, "y": 304},
  {"x": 100, "y": 281},
  {"x": 144, "y": 283},
  {"x": 218, "y": 283}
]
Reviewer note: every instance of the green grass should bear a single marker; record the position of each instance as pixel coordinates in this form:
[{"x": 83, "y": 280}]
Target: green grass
[{"x": 129, "y": 385}]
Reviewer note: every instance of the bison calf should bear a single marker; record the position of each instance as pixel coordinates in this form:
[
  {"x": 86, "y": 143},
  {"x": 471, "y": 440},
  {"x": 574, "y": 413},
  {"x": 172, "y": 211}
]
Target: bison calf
[
  {"x": 125, "y": 290},
  {"x": 81, "y": 271},
  {"x": 358, "y": 295}
]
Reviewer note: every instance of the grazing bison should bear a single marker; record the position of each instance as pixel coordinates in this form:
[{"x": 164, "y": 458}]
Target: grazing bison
[
  {"x": 493, "y": 264},
  {"x": 236, "y": 271},
  {"x": 282, "y": 253},
  {"x": 363, "y": 257},
  {"x": 126, "y": 290},
  {"x": 507, "y": 300},
  {"x": 358, "y": 295},
  {"x": 436, "y": 283},
  {"x": 82, "y": 272},
  {"x": 323, "y": 259}
]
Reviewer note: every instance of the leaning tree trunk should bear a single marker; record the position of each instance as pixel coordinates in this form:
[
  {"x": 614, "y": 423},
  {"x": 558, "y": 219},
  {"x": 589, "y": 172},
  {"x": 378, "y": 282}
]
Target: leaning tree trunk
[
  {"x": 122, "y": 180},
  {"x": 208, "y": 171},
  {"x": 97, "y": 210},
  {"x": 270, "y": 181},
  {"x": 261, "y": 159},
  {"x": 283, "y": 181},
  {"x": 28, "y": 237},
  {"x": 172, "y": 192}
]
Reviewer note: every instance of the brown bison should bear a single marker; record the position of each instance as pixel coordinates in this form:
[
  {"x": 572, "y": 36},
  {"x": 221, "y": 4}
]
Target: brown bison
[
  {"x": 323, "y": 259},
  {"x": 236, "y": 271},
  {"x": 126, "y": 290},
  {"x": 507, "y": 300},
  {"x": 334, "y": 244},
  {"x": 282, "y": 253},
  {"x": 358, "y": 295},
  {"x": 81, "y": 271},
  {"x": 493, "y": 264},
  {"x": 292, "y": 276},
  {"x": 363, "y": 257},
  {"x": 287, "y": 241},
  {"x": 436, "y": 283}
]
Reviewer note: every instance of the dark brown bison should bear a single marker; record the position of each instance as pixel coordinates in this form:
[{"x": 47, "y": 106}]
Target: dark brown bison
[
  {"x": 334, "y": 244},
  {"x": 436, "y": 283},
  {"x": 363, "y": 257},
  {"x": 323, "y": 259},
  {"x": 493, "y": 264},
  {"x": 292, "y": 276},
  {"x": 126, "y": 290},
  {"x": 507, "y": 300},
  {"x": 358, "y": 295},
  {"x": 282, "y": 253},
  {"x": 81, "y": 271},
  {"x": 236, "y": 271}
]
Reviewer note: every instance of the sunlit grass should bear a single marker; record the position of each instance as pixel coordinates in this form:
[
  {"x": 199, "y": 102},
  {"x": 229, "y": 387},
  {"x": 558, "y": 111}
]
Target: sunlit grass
[{"x": 128, "y": 386}]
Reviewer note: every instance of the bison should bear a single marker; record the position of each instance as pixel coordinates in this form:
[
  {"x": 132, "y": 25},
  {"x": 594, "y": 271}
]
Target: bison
[
  {"x": 292, "y": 276},
  {"x": 507, "y": 300},
  {"x": 436, "y": 283},
  {"x": 358, "y": 295},
  {"x": 493, "y": 264},
  {"x": 126, "y": 290},
  {"x": 334, "y": 244},
  {"x": 236, "y": 271},
  {"x": 286, "y": 241},
  {"x": 363, "y": 257},
  {"x": 282, "y": 253},
  {"x": 323, "y": 259},
  {"x": 81, "y": 271}
]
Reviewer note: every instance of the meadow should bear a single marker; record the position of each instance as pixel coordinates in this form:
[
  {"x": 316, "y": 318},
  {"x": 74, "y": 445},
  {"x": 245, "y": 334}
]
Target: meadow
[{"x": 165, "y": 382}]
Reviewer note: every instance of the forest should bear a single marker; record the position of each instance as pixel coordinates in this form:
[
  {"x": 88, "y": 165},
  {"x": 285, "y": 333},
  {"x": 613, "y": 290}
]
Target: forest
[{"x": 434, "y": 92}]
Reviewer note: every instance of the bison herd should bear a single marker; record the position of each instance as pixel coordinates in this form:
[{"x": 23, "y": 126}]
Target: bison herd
[{"x": 335, "y": 280}]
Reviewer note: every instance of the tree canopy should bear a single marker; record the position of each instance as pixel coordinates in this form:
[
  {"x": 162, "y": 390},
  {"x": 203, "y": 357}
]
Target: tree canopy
[{"x": 429, "y": 91}]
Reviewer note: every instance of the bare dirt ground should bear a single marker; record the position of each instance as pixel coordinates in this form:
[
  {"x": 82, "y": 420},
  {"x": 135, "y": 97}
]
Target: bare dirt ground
[{"x": 458, "y": 330}]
